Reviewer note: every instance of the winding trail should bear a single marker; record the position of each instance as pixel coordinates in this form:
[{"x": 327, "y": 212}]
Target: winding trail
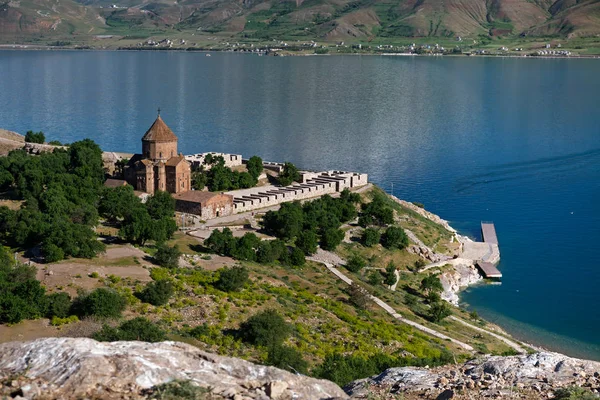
[
  {"x": 319, "y": 257},
  {"x": 508, "y": 342}
]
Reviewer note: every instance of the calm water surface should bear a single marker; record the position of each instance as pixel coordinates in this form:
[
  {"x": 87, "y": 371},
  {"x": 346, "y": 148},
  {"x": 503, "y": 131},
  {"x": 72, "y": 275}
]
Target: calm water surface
[{"x": 516, "y": 141}]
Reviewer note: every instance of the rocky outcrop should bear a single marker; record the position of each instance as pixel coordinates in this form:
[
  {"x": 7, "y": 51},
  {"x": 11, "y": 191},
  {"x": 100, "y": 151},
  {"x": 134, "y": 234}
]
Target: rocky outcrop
[
  {"x": 531, "y": 376},
  {"x": 68, "y": 368},
  {"x": 463, "y": 274}
]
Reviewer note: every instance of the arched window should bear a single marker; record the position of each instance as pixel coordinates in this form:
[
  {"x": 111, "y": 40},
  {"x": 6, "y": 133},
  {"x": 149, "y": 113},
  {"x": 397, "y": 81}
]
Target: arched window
[{"x": 160, "y": 155}]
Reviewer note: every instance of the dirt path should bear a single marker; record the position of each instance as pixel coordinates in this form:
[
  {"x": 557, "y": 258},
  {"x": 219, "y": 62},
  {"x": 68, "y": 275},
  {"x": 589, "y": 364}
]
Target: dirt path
[
  {"x": 325, "y": 258},
  {"x": 508, "y": 342}
]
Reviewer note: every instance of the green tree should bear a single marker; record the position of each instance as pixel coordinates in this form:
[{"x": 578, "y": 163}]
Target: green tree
[
  {"x": 135, "y": 329},
  {"x": 221, "y": 242},
  {"x": 307, "y": 241},
  {"x": 265, "y": 253},
  {"x": 156, "y": 293},
  {"x": 199, "y": 180},
  {"x": 245, "y": 180},
  {"x": 116, "y": 203},
  {"x": 355, "y": 264},
  {"x": 35, "y": 137},
  {"x": 255, "y": 166},
  {"x": 288, "y": 174},
  {"x": 161, "y": 205},
  {"x": 331, "y": 238},
  {"x": 370, "y": 237},
  {"x": 431, "y": 283},
  {"x": 52, "y": 252},
  {"x": 101, "y": 302},
  {"x": 438, "y": 311},
  {"x": 390, "y": 274},
  {"x": 246, "y": 246},
  {"x": 376, "y": 212},
  {"x": 394, "y": 237},
  {"x": 375, "y": 278},
  {"x": 232, "y": 279},
  {"x": 297, "y": 257},
  {"x": 59, "y": 305},
  {"x": 86, "y": 161},
  {"x": 287, "y": 222},
  {"x": 266, "y": 328},
  {"x": 137, "y": 226},
  {"x": 167, "y": 256}
]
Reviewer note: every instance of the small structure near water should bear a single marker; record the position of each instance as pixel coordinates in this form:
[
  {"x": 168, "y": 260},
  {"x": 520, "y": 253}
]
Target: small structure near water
[{"x": 488, "y": 269}]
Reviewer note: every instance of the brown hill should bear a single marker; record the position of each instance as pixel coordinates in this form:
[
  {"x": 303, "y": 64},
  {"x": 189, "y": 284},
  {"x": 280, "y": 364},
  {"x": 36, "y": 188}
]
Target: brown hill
[{"x": 305, "y": 19}]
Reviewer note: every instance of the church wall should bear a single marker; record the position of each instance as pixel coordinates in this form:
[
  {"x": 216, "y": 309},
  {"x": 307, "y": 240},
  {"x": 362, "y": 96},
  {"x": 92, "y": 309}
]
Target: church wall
[{"x": 159, "y": 150}]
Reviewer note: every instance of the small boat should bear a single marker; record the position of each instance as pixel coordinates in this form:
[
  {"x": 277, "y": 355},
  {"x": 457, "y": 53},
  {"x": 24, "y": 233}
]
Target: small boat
[{"x": 207, "y": 54}]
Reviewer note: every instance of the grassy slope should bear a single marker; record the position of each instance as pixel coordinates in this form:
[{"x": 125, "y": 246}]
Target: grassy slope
[{"x": 311, "y": 298}]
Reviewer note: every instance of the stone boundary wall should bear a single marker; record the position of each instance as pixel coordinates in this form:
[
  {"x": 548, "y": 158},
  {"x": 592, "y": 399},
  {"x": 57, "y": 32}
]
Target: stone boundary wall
[
  {"x": 318, "y": 185},
  {"x": 231, "y": 160}
]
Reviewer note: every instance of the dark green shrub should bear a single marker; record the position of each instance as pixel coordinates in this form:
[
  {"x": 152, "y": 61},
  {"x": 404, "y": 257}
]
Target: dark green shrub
[
  {"x": 52, "y": 252},
  {"x": 255, "y": 166},
  {"x": 431, "y": 283},
  {"x": 180, "y": 390},
  {"x": 390, "y": 274},
  {"x": 439, "y": 311},
  {"x": 355, "y": 264},
  {"x": 232, "y": 279},
  {"x": 289, "y": 174},
  {"x": 267, "y": 328},
  {"x": 265, "y": 253},
  {"x": 370, "y": 237},
  {"x": 21, "y": 295},
  {"x": 331, "y": 238},
  {"x": 59, "y": 305},
  {"x": 297, "y": 257},
  {"x": 167, "y": 256},
  {"x": 376, "y": 212},
  {"x": 246, "y": 246},
  {"x": 35, "y": 137},
  {"x": 307, "y": 241},
  {"x": 135, "y": 329},
  {"x": 394, "y": 237},
  {"x": 101, "y": 302},
  {"x": 375, "y": 278},
  {"x": 574, "y": 393},
  {"x": 287, "y": 358},
  {"x": 156, "y": 293}
]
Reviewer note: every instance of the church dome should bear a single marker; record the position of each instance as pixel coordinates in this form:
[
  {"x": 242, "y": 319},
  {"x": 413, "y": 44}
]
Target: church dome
[{"x": 159, "y": 132}]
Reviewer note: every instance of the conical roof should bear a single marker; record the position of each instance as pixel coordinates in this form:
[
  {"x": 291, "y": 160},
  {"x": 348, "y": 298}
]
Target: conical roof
[{"x": 159, "y": 132}]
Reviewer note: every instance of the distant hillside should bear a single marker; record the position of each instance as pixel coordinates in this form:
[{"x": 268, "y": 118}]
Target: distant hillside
[{"x": 306, "y": 19}]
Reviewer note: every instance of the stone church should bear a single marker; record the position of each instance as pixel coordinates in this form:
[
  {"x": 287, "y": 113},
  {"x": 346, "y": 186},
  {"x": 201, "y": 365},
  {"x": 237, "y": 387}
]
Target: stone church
[{"x": 159, "y": 167}]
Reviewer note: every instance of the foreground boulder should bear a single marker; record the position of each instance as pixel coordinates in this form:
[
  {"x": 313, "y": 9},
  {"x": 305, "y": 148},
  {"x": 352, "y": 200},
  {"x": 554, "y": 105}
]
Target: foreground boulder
[
  {"x": 83, "y": 368},
  {"x": 532, "y": 376}
]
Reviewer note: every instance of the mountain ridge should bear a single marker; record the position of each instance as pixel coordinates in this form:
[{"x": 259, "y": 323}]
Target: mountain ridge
[{"x": 328, "y": 20}]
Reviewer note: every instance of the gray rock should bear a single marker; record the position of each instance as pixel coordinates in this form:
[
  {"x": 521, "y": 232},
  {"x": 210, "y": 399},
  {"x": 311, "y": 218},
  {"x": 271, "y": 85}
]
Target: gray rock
[{"x": 82, "y": 368}]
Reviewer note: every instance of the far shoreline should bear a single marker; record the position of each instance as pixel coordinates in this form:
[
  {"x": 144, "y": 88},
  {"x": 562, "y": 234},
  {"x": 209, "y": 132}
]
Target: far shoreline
[{"x": 26, "y": 47}]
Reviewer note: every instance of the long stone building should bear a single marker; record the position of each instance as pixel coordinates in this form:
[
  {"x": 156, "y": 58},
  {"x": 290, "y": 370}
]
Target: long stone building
[{"x": 159, "y": 167}]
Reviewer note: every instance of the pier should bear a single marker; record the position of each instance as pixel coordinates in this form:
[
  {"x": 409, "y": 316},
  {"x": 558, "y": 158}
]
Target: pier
[
  {"x": 487, "y": 268},
  {"x": 488, "y": 231}
]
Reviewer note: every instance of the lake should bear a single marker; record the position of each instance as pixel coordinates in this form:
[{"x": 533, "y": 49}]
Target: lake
[{"x": 514, "y": 141}]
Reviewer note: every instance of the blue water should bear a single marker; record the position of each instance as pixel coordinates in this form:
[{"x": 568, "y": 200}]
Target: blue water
[{"x": 516, "y": 141}]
